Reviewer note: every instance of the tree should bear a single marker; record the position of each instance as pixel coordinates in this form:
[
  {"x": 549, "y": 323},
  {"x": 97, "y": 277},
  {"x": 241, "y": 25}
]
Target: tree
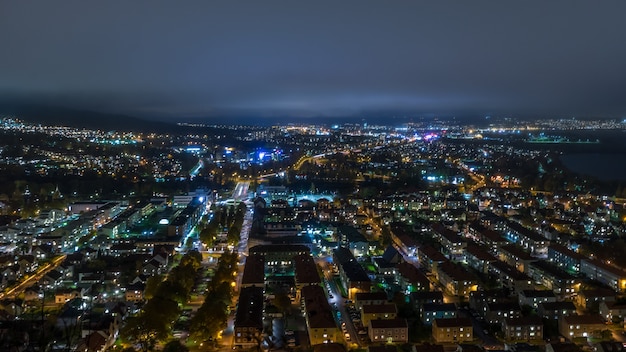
[
  {"x": 175, "y": 346},
  {"x": 282, "y": 302},
  {"x": 209, "y": 320},
  {"x": 164, "y": 309},
  {"x": 152, "y": 284},
  {"x": 144, "y": 330}
]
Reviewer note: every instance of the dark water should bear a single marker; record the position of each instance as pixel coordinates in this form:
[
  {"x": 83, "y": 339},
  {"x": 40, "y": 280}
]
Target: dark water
[{"x": 604, "y": 166}]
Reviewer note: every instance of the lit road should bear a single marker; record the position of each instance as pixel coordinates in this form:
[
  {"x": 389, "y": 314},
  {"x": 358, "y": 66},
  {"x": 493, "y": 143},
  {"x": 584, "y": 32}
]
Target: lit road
[
  {"x": 242, "y": 250},
  {"x": 241, "y": 190},
  {"x": 338, "y": 300},
  {"x": 40, "y": 273}
]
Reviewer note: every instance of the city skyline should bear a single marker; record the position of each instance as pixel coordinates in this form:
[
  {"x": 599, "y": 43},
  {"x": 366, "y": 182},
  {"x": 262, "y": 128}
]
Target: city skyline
[{"x": 278, "y": 59}]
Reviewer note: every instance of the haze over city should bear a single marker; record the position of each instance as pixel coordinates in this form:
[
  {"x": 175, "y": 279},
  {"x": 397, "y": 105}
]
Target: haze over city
[{"x": 319, "y": 59}]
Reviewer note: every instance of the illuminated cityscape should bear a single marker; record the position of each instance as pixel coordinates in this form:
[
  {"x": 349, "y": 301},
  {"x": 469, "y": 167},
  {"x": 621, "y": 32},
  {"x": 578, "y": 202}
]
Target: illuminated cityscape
[
  {"x": 324, "y": 176},
  {"x": 350, "y": 235}
]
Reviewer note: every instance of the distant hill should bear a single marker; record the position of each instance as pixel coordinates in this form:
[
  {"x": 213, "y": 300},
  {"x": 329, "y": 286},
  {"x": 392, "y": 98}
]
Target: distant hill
[{"x": 49, "y": 115}]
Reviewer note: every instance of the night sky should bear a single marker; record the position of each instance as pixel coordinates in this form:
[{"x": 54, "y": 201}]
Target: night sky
[{"x": 175, "y": 59}]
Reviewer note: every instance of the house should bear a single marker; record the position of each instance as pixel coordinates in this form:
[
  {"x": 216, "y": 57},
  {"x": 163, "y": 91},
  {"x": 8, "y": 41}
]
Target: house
[
  {"x": 11, "y": 273},
  {"x": 61, "y": 296},
  {"x": 573, "y": 326},
  {"x": 162, "y": 258},
  {"x": 383, "y": 267},
  {"x": 555, "y": 310},
  {"x": 97, "y": 341},
  {"x": 389, "y": 330},
  {"x": 523, "y": 328},
  {"x": 122, "y": 249},
  {"x": 610, "y": 346},
  {"x": 378, "y": 311},
  {"x": 27, "y": 263},
  {"x": 134, "y": 292},
  {"x": 151, "y": 268},
  {"x": 454, "y": 330},
  {"x": 41, "y": 252},
  {"x": 14, "y": 308},
  {"x": 534, "y": 297},
  {"x": 590, "y": 299},
  {"x": 52, "y": 279},
  {"x": 32, "y": 293},
  {"x": 432, "y": 311}
]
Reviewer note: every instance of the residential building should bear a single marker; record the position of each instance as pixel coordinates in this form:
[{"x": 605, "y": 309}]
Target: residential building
[
  {"x": 565, "y": 258},
  {"x": 366, "y": 298},
  {"x": 419, "y": 298},
  {"x": 510, "y": 278},
  {"x": 454, "y": 330},
  {"x": 478, "y": 258},
  {"x": 254, "y": 271},
  {"x": 523, "y": 328},
  {"x": 516, "y": 257},
  {"x": 590, "y": 299},
  {"x": 318, "y": 314},
  {"x": 533, "y": 298},
  {"x": 453, "y": 244},
  {"x": 528, "y": 239},
  {"x": 249, "y": 317},
  {"x": 574, "y": 326},
  {"x": 389, "y": 330},
  {"x": 605, "y": 273},
  {"x": 411, "y": 279},
  {"x": 353, "y": 277},
  {"x": 556, "y": 310},
  {"x": 378, "y": 311},
  {"x": 495, "y": 312},
  {"x": 456, "y": 279},
  {"x": 612, "y": 311},
  {"x": 432, "y": 311},
  {"x": 552, "y": 277}
]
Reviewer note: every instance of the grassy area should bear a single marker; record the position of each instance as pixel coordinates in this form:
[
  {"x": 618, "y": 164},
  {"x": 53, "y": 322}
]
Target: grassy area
[{"x": 340, "y": 286}]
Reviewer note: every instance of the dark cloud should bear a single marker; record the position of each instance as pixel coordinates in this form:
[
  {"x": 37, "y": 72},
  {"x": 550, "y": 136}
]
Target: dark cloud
[{"x": 210, "y": 58}]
